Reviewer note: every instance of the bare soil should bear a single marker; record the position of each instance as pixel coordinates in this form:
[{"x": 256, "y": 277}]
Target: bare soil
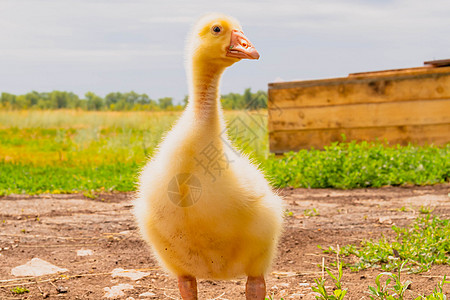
[{"x": 53, "y": 227}]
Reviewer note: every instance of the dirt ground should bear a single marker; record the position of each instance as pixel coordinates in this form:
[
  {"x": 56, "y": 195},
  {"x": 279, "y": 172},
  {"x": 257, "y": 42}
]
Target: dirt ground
[{"x": 54, "y": 227}]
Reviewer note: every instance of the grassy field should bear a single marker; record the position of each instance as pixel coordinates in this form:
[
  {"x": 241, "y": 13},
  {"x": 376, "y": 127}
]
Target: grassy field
[{"x": 70, "y": 151}]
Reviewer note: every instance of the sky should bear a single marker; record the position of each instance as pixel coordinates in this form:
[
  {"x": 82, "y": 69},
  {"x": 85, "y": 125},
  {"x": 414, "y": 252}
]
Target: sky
[{"x": 123, "y": 45}]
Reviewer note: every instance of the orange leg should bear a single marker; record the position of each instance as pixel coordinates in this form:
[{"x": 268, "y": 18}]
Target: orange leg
[
  {"x": 255, "y": 288},
  {"x": 188, "y": 287}
]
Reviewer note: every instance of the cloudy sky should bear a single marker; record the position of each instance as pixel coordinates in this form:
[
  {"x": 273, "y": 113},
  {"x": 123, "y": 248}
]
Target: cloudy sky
[{"x": 122, "y": 45}]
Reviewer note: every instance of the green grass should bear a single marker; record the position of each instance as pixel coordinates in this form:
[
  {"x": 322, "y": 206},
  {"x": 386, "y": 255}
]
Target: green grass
[
  {"x": 416, "y": 247},
  {"x": 19, "y": 290},
  {"x": 72, "y": 151},
  {"x": 338, "y": 290},
  {"x": 357, "y": 165},
  {"x": 388, "y": 286}
]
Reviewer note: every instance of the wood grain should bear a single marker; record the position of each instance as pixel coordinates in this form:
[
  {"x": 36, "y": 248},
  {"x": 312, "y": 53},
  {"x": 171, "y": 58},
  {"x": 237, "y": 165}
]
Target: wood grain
[
  {"x": 423, "y": 112},
  {"x": 284, "y": 141},
  {"x": 365, "y": 90}
]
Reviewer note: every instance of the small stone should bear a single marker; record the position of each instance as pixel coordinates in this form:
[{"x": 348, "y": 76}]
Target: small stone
[
  {"x": 147, "y": 294},
  {"x": 303, "y": 284},
  {"x": 117, "y": 290},
  {"x": 297, "y": 296},
  {"x": 36, "y": 267},
  {"x": 61, "y": 289},
  {"x": 385, "y": 220},
  {"x": 84, "y": 252},
  {"x": 132, "y": 274}
]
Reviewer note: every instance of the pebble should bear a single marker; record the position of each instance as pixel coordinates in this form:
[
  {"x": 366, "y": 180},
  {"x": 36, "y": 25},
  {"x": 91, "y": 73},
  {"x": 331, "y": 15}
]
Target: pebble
[
  {"x": 84, "y": 252},
  {"x": 36, "y": 267},
  {"x": 117, "y": 290},
  {"x": 132, "y": 274},
  {"x": 62, "y": 289},
  {"x": 303, "y": 284},
  {"x": 385, "y": 220},
  {"x": 296, "y": 296},
  {"x": 147, "y": 294}
]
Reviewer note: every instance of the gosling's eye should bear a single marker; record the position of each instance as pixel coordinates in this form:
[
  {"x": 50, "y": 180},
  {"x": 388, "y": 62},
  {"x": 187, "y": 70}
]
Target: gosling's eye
[{"x": 216, "y": 29}]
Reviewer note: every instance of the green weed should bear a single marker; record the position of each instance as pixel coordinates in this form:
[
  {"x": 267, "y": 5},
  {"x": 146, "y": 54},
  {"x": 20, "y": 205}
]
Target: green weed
[
  {"x": 288, "y": 213},
  {"x": 416, "y": 247},
  {"x": 396, "y": 291},
  {"x": 392, "y": 288},
  {"x": 311, "y": 212},
  {"x": 382, "y": 291},
  {"x": 425, "y": 210},
  {"x": 338, "y": 291},
  {"x": 19, "y": 290},
  {"x": 438, "y": 293}
]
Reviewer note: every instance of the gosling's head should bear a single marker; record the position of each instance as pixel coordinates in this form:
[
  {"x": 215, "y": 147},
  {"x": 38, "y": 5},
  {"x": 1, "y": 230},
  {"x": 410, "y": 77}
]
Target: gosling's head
[{"x": 218, "y": 40}]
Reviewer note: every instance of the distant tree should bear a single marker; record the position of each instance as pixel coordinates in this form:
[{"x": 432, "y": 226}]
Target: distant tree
[
  {"x": 58, "y": 99},
  {"x": 258, "y": 100},
  {"x": 94, "y": 102},
  {"x": 73, "y": 101},
  {"x": 165, "y": 103},
  {"x": 121, "y": 101},
  {"x": 22, "y": 102},
  {"x": 185, "y": 100},
  {"x": 248, "y": 99},
  {"x": 8, "y": 100},
  {"x": 33, "y": 97},
  {"x": 112, "y": 99},
  {"x": 232, "y": 101}
]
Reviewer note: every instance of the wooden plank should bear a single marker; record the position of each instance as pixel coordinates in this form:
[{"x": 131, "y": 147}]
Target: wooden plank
[
  {"x": 365, "y": 90},
  {"x": 284, "y": 141},
  {"x": 438, "y": 63},
  {"x": 412, "y": 73},
  {"x": 361, "y": 115}
]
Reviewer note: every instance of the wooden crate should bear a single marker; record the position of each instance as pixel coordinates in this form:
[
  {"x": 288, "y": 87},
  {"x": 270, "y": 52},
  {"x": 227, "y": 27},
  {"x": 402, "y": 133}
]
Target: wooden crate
[{"x": 400, "y": 106}]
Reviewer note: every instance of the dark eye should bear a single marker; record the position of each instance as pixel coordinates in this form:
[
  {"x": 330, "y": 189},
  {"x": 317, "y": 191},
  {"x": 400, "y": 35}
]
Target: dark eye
[{"x": 216, "y": 29}]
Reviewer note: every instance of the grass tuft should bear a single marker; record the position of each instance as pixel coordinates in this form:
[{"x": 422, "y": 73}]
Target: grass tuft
[
  {"x": 19, "y": 290},
  {"x": 416, "y": 247}
]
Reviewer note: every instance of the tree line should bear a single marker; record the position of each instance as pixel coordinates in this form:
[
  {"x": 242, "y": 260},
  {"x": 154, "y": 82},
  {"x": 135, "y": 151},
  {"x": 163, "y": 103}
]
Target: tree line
[{"x": 117, "y": 101}]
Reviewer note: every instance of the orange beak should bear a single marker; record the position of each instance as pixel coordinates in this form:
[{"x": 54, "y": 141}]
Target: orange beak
[{"x": 240, "y": 46}]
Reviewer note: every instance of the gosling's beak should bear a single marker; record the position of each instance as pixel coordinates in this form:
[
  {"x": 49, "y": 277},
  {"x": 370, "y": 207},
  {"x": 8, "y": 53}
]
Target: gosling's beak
[{"x": 240, "y": 46}]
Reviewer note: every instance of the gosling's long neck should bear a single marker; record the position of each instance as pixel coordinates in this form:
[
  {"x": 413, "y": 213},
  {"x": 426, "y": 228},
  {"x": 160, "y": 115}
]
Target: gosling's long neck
[{"x": 204, "y": 96}]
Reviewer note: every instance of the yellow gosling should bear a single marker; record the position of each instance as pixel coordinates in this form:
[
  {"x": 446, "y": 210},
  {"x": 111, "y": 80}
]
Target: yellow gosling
[{"x": 206, "y": 211}]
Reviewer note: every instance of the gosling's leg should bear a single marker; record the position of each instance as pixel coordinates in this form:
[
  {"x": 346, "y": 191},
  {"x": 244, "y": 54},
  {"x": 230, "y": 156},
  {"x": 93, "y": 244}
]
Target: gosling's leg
[
  {"x": 255, "y": 288},
  {"x": 188, "y": 287}
]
